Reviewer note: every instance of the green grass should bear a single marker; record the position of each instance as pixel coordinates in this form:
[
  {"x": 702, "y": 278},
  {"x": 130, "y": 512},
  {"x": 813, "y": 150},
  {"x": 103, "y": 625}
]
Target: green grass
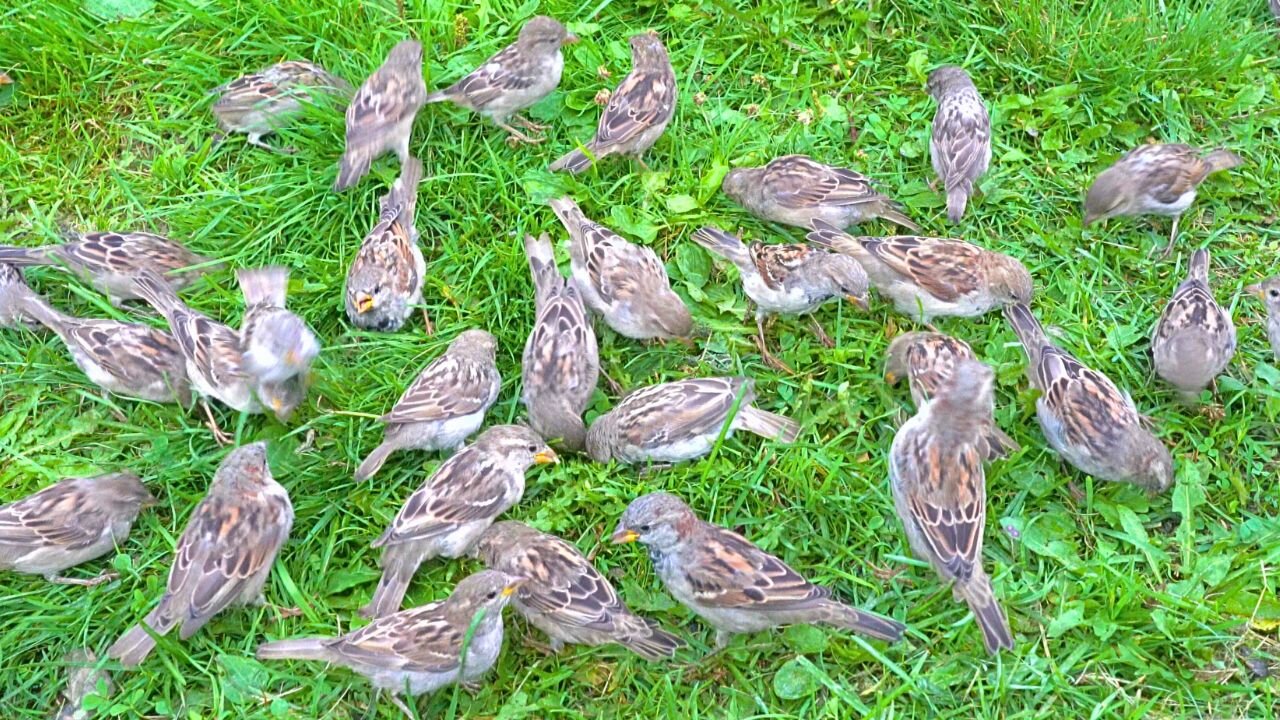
[{"x": 1121, "y": 605}]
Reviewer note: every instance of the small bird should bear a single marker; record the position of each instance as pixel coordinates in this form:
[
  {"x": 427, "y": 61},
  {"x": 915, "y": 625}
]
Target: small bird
[
  {"x": 682, "y": 420},
  {"x": 129, "y": 359},
  {"x": 624, "y": 283},
  {"x": 385, "y": 280},
  {"x": 445, "y": 404},
  {"x": 109, "y": 261},
  {"x": 380, "y": 118},
  {"x": 960, "y": 146},
  {"x": 1268, "y": 291},
  {"x": 638, "y": 110},
  {"x": 213, "y": 352},
  {"x": 83, "y": 679},
  {"x": 940, "y": 491},
  {"x": 792, "y": 279},
  {"x": 516, "y": 79},
  {"x": 565, "y": 596},
  {"x": 1089, "y": 421},
  {"x": 11, "y": 315},
  {"x": 1154, "y": 179},
  {"x": 261, "y": 103},
  {"x": 1194, "y": 339},
  {"x": 223, "y": 556},
  {"x": 68, "y": 523},
  {"x": 285, "y": 396},
  {"x": 927, "y": 360},
  {"x": 797, "y": 190},
  {"x": 561, "y": 362},
  {"x": 419, "y": 650},
  {"x": 461, "y": 499},
  {"x": 278, "y": 345},
  {"x": 930, "y": 277},
  {"x": 730, "y": 583}
]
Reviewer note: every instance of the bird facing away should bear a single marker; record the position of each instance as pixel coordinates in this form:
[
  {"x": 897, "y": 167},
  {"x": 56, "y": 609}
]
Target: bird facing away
[
  {"x": 1089, "y": 421},
  {"x": 1154, "y": 179},
  {"x": 223, "y": 556},
  {"x": 561, "y": 362},
  {"x": 797, "y": 190},
  {"x": 940, "y": 491},
  {"x": 261, "y": 103},
  {"x": 638, "y": 111},
  {"x": 384, "y": 282},
  {"x": 1194, "y": 339},
  {"x": 960, "y": 146},
  {"x": 791, "y": 279},
  {"x": 565, "y": 596},
  {"x": 380, "y": 117},
  {"x": 730, "y": 583},
  {"x": 515, "y": 79}
]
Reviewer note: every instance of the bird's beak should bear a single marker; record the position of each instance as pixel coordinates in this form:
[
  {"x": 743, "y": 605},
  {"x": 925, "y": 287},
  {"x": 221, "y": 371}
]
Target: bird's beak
[
  {"x": 150, "y": 500},
  {"x": 546, "y": 457},
  {"x": 1254, "y": 290},
  {"x": 569, "y": 39},
  {"x": 1090, "y": 218},
  {"x": 5, "y": 79},
  {"x": 890, "y": 377},
  {"x": 364, "y": 303},
  {"x": 859, "y": 302},
  {"x": 512, "y": 586},
  {"x": 624, "y": 536}
]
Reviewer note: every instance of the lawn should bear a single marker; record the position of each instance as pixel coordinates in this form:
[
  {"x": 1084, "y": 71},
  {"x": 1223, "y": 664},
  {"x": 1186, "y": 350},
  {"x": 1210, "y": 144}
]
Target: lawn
[{"x": 1121, "y": 605}]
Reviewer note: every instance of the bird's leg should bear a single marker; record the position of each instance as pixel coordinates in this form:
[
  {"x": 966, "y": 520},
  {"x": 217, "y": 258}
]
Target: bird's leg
[
  {"x": 764, "y": 349},
  {"x": 543, "y": 648},
  {"x": 823, "y": 337},
  {"x": 933, "y": 184},
  {"x": 528, "y": 124},
  {"x": 640, "y": 160},
  {"x": 426, "y": 322},
  {"x": 614, "y": 386},
  {"x": 221, "y": 437},
  {"x": 395, "y": 700},
  {"x": 1173, "y": 235},
  {"x": 103, "y": 577},
  {"x": 653, "y": 468},
  {"x": 255, "y": 139},
  {"x": 518, "y": 136}
]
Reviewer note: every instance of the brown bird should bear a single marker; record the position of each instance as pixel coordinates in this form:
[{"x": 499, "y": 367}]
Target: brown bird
[
  {"x": 638, "y": 111},
  {"x": 224, "y": 555},
  {"x": 797, "y": 190},
  {"x": 260, "y": 103},
  {"x": 1154, "y": 179},
  {"x": 1194, "y": 339},
  {"x": 380, "y": 118},
  {"x": 940, "y": 491},
  {"x": 960, "y": 146},
  {"x": 729, "y": 582},
  {"x": 384, "y": 282},
  {"x": 565, "y": 596}
]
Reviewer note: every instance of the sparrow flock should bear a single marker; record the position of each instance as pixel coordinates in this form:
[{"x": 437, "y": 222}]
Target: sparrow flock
[{"x": 936, "y": 463}]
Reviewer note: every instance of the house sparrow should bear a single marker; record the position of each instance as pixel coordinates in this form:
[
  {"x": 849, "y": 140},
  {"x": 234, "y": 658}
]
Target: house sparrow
[
  {"x": 109, "y": 260},
  {"x": 928, "y": 277},
  {"x": 1085, "y": 417},
  {"x": 638, "y": 110},
  {"x": 682, "y": 420},
  {"x": 788, "y": 279},
  {"x": 1194, "y": 338},
  {"x": 940, "y": 490},
  {"x": 561, "y": 363},
  {"x": 1269, "y": 292},
  {"x": 733, "y": 585},
  {"x": 213, "y": 352},
  {"x": 444, "y": 405},
  {"x": 517, "y": 78},
  {"x": 796, "y": 190},
  {"x": 565, "y": 596},
  {"x": 961, "y": 143},
  {"x": 285, "y": 396},
  {"x": 224, "y": 555},
  {"x": 624, "y": 283},
  {"x": 1154, "y": 179},
  {"x": 68, "y": 523},
  {"x": 128, "y": 359},
  {"x": 260, "y": 103},
  {"x": 380, "y": 118},
  {"x": 385, "y": 280},
  {"x": 419, "y": 650},
  {"x": 927, "y": 360},
  {"x": 83, "y": 678},
  {"x": 445, "y": 516},
  {"x": 277, "y": 344}
]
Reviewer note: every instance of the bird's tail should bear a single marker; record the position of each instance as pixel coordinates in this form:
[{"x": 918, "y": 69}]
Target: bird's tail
[
  {"x": 1198, "y": 268},
  {"x": 353, "y": 166},
  {"x": 650, "y": 641},
  {"x": 957, "y": 199},
  {"x": 1220, "y": 159},
  {"x": 876, "y": 626},
  {"x": 725, "y": 244},
  {"x": 999, "y": 444},
  {"x": 399, "y": 564},
  {"x": 268, "y": 285},
  {"x": 1028, "y": 329},
  {"x": 373, "y": 463},
  {"x": 402, "y": 199},
  {"x": 136, "y": 643},
  {"x": 24, "y": 256},
  {"x": 299, "y": 649},
  {"x": 767, "y": 424},
  {"x": 575, "y": 161},
  {"x": 542, "y": 265},
  {"x": 828, "y": 236},
  {"x": 977, "y": 592},
  {"x": 152, "y": 288},
  {"x": 893, "y": 213},
  {"x": 567, "y": 210}
]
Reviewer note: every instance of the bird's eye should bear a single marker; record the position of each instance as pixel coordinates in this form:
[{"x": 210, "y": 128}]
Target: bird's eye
[
  {"x": 492, "y": 595},
  {"x": 1273, "y": 292},
  {"x": 644, "y": 528},
  {"x": 533, "y": 449}
]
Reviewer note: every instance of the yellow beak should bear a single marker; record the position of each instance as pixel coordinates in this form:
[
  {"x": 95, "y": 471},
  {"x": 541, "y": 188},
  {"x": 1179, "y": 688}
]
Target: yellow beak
[
  {"x": 860, "y": 303},
  {"x": 364, "y": 303},
  {"x": 510, "y": 589},
  {"x": 890, "y": 377},
  {"x": 1254, "y": 290},
  {"x": 622, "y": 537},
  {"x": 546, "y": 457},
  {"x": 570, "y": 39}
]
